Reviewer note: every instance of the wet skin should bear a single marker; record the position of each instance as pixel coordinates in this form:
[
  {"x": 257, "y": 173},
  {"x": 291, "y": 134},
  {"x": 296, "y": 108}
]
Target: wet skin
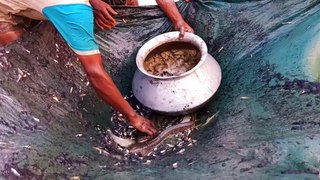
[
  {"x": 9, "y": 37},
  {"x": 92, "y": 64}
]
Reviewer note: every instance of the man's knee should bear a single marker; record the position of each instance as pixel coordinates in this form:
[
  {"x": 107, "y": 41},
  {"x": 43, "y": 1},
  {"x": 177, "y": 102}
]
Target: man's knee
[
  {"x": 9, "y": 33},
  {"x": 132, "y": 3}
]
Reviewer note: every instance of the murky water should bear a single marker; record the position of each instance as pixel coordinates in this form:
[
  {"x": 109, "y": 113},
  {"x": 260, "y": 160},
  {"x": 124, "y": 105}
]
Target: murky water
[
  {"x": 172, "y": 59},
  {"x": 267, "y": 126}
]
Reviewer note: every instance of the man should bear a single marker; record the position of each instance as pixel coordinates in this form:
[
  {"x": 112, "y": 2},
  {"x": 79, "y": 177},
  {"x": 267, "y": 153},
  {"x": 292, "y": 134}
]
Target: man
[{"x": 74, "y": 20}]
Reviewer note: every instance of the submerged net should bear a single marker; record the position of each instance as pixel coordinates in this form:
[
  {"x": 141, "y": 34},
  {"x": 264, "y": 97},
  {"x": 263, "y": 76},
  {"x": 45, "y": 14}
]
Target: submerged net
[{"x": 268, "y": 103}]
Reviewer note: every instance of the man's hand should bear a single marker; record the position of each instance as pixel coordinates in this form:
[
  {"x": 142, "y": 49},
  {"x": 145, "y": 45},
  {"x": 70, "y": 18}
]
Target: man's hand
[
  {"x": 183, "y": 27},
  {"x": 170, "y": 9},
  {"x": 103, "y": 13},
  {"x": 107, "y": 90},
  {"x": 144, "y": 125}
]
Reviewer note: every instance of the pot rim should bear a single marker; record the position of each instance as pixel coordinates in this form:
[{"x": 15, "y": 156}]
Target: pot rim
[{"x": 166, "y": 38}]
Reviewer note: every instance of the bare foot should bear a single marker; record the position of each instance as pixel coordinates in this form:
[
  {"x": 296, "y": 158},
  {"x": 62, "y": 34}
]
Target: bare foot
[{"x": 11, "y": 36}]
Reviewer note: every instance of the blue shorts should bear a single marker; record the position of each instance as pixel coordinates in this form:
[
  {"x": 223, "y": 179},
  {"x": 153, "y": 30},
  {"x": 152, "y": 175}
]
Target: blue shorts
[{"x": 75, "y": 22}]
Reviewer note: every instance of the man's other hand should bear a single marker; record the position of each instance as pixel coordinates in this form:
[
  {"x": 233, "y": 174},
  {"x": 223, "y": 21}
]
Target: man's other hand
[
  {"x": 183, "y": 27},
  {"x": 103, "y": 13},
  {"x": 144, "y": 125}
]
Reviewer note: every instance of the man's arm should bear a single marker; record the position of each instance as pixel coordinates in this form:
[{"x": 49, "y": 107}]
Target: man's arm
[
  {"x": 170, "y": 9},
  {"x": 104, "y": 19},
  {"x": 75, "y": 23},
  {"x": 107, "y": 90},
  {"x": 103, "y": 13}
]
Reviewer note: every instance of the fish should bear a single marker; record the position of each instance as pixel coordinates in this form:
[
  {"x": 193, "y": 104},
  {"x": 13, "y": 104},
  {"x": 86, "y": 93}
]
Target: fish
[
  {"x": 210, "y": 119},
  {"x": 106, "y": 153},
  {"x": 175, "y": 165},
  {"x": 146, "y": 147},
  {"x": 120, "y": 141},
  {"x": 15, "y": 172}
]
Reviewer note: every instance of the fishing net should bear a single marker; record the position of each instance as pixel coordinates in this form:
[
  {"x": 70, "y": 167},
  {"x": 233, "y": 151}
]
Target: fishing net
[{"x": 266, "y": 123}]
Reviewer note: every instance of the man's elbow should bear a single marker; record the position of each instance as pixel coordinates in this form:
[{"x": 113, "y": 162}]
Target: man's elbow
[
  {"x": 94, "y": 69},
  {"x": 95, "y": 75}
]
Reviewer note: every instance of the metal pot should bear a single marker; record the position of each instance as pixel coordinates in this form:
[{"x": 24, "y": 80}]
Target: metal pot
[{"x": 180, "y": 94}]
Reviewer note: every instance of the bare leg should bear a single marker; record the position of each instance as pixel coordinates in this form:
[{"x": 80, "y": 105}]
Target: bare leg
[
  {"x": 11, "y": 36},
  {"x": 132, "y": 3},
  {"x": 9, "y": 33}
]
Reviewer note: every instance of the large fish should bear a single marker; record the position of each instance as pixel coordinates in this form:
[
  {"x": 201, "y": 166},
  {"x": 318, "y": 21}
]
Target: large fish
[{"x": 146, "y": 147}]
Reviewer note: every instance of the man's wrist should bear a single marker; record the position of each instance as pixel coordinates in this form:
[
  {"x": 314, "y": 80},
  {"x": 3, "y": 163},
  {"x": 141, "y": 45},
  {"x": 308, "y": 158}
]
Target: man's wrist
[
  {"x": 92, "y": 2},
  {"x": 132, "y": 116},
  {"x": 178, "y": 22}
]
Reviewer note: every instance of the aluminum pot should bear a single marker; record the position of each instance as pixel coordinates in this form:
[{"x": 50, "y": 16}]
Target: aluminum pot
[{"x": 180, "y": 94}]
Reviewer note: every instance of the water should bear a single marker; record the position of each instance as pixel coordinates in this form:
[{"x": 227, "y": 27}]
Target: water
[
  {"x": 268, "y": 103},
  {"x": 172, "y": 59}
]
